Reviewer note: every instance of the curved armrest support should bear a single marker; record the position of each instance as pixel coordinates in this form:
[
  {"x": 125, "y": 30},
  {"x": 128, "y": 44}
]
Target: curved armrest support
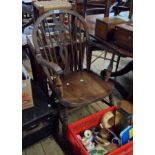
[
  {"x": 121, "y": 8},
  {"x": 56, "y": 68}
]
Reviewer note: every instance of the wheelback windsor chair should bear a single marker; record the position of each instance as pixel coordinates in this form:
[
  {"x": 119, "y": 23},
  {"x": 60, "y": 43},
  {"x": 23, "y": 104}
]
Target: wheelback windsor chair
[{"x": 61, "y": 42}]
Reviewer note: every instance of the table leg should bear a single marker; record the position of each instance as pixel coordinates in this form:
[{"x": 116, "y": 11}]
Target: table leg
[
  {"x": 126, "y": 69},
  {"x": 117, "y": 63}
]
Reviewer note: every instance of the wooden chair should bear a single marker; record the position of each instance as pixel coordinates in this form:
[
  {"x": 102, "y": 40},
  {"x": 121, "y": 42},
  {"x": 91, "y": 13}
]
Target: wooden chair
[
  {"x": 63, "y": 52},
  {"x": 92, "y": 7}
]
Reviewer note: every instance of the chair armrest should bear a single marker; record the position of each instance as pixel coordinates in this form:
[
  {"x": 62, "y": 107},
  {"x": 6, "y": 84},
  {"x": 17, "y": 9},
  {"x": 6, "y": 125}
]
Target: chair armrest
[
  {"x": 91, "y": 43},
  {"x": 121, "y": 8},
  {"x": 51, "y": 65}
]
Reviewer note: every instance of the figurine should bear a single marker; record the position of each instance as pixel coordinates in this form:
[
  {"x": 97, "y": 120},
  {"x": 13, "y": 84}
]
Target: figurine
[
  {"x": 88, "y": 134},
  {"x": 87, "y": 140}
]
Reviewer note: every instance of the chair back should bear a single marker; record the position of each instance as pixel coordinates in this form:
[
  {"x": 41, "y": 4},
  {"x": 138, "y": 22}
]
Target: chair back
[
  {"x": 92, "y": 7},
  {"x": 61, "y": 36}
]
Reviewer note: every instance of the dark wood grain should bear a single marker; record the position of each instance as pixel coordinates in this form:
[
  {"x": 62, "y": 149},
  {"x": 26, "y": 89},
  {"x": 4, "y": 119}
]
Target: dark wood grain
[
  {"x": 123, "y": 36},
  {"x": 100, "y": 43},
  {"x": 71, "y": 43},
  {"x": 83, "y": 88},
  {"x": 77, "y": 86},
  {"x": 92, "y": 7},
  {"x": 105, "y": 28}
]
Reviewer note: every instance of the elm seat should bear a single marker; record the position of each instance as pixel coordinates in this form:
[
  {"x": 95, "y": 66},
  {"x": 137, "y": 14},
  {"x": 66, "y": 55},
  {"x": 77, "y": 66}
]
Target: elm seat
[{"x": 81, "y": 88}]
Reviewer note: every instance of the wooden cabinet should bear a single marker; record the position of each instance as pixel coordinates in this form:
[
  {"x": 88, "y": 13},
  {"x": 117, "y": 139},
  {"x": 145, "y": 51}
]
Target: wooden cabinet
[
  {"x": 105, "y": 28},
  {"x": 123, "y": 36}
]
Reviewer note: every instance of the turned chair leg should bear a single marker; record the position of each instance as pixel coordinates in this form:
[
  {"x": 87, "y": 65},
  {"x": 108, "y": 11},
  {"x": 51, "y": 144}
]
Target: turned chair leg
[{"x": 64, "y": 120}]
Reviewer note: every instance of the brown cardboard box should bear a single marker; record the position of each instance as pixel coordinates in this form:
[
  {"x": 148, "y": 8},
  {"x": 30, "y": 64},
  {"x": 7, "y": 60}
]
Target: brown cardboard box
[
  {"x": 105, "y": 28},
  {"x": 27, "y": 99}
]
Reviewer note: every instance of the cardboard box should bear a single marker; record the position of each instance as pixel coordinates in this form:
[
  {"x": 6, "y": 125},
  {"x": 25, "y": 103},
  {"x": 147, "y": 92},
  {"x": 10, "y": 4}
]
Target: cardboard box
[
  {"x": 105, "y": 28},
  {"x": 27, "y": 99}
]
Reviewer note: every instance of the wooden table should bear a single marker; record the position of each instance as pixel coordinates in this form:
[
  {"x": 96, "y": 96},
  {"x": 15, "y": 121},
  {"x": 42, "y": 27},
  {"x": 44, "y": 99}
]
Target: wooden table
[
  {"x": 110, "y": 47},
  {"x": 106, "y": 45}
]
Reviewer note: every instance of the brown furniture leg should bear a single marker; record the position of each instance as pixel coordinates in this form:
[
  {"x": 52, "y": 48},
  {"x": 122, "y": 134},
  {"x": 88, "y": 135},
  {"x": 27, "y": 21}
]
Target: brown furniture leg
[{"x": 64, "y": 120}]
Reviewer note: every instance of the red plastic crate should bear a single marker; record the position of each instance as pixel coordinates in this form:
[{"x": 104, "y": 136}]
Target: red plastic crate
[{"x": 89, "y": 122}]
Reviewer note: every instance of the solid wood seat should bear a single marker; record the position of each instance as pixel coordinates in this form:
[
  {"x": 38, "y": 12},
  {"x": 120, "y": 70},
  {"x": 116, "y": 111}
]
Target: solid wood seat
[{"x": 81, "y": 88}]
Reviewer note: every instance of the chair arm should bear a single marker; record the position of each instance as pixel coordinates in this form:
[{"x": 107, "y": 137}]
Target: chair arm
[
  {"x": 121, "y": 8},
  {"x": 51, "y": 65},
  {"x": 91, "y": 43}
]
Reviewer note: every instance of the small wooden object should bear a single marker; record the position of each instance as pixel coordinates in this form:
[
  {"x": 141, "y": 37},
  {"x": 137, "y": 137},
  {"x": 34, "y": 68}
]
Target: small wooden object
[
  {"x": 105, "y": 28},
  {"x": 108, "y": 120},
  {"x": 111, "y": 147},
  {"x": 104, "y": 133},
  {"x": 123, "y": 36}
]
